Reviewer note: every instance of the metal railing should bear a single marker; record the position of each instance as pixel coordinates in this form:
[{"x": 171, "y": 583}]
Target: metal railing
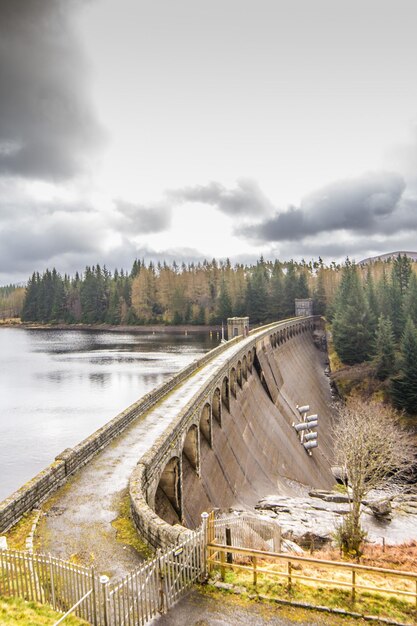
[{"x": 155, "y": 586}]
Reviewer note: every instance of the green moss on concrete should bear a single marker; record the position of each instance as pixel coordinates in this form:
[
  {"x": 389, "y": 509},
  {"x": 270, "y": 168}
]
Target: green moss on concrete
[
  {"x": 126, "y": 532},
  {"x": 17, "y": 535}
]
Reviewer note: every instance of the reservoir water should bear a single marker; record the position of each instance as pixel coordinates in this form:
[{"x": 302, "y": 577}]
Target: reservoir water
[{"x": 57, "y": 387}]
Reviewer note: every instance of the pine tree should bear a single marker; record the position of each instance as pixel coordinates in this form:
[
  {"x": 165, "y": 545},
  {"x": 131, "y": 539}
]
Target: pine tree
[
  {"x": 384, "y": 360},
  {"x": 410, "y": 299},
  {"x": 258, "y": 294},
  {"x": 351, "y": 323},
  {"x": 404, "y": 385},
  {"x": 319, "y": 294},
  {"x": 401, "y": 269},
  {"x": 224, "y": 303},
  {"x": 302, "y": 290},
  {"x": 383, "y": 295},
  {"x": 276, "y": 309},
  {"x": 30, "y": 304},
  {"x": 396, "y": 306},
  {"x": 372, "y": 300},
  {"x": 290, "y": 290}
]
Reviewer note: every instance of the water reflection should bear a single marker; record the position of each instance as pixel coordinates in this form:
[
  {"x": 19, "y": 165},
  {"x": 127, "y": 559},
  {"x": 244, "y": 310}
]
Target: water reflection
[
  {"x": 100, "y": 380},
  {"x": 57, "y": 387}
]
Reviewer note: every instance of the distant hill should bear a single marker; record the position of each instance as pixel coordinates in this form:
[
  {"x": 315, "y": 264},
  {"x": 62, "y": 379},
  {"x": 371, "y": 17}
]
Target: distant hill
[{"x": 389, "y": 255}]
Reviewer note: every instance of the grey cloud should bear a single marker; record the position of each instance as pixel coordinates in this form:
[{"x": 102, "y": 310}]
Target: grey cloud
[
  {"x": 370, "y": 204},
  {"x": 138, "y": 219},
  {"x": 47, "y": 125},
  {"x": 23, "y": 245},
  {"x": 245, "y": 199}
]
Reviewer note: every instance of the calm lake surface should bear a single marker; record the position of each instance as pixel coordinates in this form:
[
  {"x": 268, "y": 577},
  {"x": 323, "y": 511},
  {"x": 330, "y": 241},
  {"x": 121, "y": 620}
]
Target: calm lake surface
[{"x": 57, "y": 387}]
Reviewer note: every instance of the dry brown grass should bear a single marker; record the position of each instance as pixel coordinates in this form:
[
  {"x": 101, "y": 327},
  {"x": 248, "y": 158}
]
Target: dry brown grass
[{"x": 402, "y": 556}]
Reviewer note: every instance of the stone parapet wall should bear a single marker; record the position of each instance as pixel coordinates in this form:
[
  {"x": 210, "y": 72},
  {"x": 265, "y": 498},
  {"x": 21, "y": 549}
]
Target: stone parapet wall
[
  {"x": 31, "y": 494},
  {"x": 39, "y": 488}
]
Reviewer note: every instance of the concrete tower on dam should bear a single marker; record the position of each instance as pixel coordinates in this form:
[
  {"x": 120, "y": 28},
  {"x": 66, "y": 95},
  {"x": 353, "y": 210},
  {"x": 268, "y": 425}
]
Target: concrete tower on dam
[{"x": 234, "y": 441}]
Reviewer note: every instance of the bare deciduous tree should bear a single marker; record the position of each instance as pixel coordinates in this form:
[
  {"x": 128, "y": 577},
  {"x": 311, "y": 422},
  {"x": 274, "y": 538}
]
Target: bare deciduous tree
[{"x": 373, "y": 451}]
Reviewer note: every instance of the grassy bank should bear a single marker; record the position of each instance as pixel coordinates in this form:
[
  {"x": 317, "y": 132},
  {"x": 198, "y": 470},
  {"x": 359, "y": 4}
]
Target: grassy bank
[
  {"x": 393, "y": 609},
  {"x": 17, "y": 612}
]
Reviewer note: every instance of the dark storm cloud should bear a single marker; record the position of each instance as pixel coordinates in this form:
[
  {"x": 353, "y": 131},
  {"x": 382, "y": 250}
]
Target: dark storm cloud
[
  {"x": 246, "y": 199},
  {"x": 371, "y": 204},
  {"x": 47, "y": 126},
  {"x": 138, "y": 219}
]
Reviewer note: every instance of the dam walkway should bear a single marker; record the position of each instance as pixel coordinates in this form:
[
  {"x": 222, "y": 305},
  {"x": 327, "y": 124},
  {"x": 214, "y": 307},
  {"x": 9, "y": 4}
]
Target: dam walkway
[{"x": 77, "y": 520}]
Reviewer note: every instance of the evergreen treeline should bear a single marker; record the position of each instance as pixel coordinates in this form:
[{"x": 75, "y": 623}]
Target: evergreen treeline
[
  {"x": 201, "y": 293},
  {"x": 374, "y": 318},
  {"x": 372, "y": 308}
]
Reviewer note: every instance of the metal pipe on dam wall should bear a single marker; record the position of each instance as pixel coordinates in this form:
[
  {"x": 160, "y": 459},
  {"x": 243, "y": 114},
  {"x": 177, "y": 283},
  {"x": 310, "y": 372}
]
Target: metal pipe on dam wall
[{"x": 235, "y": 442}]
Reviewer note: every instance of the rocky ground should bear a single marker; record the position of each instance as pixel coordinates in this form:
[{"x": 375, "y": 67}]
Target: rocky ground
[{"x": 310, "y": 520}]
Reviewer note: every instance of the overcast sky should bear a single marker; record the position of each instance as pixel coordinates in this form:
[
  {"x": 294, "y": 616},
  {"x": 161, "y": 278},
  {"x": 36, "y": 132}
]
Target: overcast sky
[{"x": 194, "y": 129}]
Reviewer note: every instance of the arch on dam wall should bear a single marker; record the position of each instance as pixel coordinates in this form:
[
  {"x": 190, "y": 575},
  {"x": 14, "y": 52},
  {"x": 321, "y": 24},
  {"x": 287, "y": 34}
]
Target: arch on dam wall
[
  {"x": 251, "y": 357},
  {"x": 168, "y": 498},
  {"x": 226, "y": 393},
  {"x": 233, "y": 381},
  {"x": 191, "y": 448},
  {"x": 205, "y": 423},
  {"x": 239, "y": 373},
  {"x": 245, "y": 368},
  {"x": 216, "y": 406}
]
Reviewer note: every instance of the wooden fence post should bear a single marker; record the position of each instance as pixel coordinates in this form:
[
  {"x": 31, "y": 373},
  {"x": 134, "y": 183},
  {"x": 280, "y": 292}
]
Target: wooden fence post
[
  {"x": 289, "y": 575},
  {"x": 353, "y": 585},
  {"x": 255, "y": 573},
  {"x": 222, "y": 567},
  {"x": 229, "y": 543}
]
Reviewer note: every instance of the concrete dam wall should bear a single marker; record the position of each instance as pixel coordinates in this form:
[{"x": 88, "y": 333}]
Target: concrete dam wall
[
  {"x": 235, "y": 443},
  {"x": 256, "y": 449}
]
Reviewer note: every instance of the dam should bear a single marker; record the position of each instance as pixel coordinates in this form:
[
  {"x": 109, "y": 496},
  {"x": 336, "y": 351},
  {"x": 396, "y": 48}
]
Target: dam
[
  {"x": 235, "y": 440},
  {"x": 218, "y": 434}
]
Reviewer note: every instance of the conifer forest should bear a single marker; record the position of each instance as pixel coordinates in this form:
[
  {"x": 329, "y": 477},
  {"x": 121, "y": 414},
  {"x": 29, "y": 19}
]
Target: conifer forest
[{"x": 372, "y": 307}]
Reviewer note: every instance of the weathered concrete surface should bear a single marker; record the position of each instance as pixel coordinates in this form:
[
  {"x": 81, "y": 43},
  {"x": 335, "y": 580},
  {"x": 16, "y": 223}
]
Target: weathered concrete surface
[{"x": 256, "y": 451}]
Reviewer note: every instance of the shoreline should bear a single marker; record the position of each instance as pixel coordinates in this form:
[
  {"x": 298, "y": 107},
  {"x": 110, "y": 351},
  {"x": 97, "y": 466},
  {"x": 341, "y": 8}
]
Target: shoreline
[{"x": 145, "y": 329}]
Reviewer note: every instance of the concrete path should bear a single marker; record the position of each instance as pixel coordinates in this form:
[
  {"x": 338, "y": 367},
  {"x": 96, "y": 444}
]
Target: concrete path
[
  {"x": 199, "y": 608},
  {"x": 78, "y": 519}
]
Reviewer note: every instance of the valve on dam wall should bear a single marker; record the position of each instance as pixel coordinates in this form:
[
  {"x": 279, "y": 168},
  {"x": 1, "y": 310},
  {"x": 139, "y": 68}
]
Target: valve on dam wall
[
  {"x": 308, "y": 445},
  {"x": 308, "y": 437}
]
